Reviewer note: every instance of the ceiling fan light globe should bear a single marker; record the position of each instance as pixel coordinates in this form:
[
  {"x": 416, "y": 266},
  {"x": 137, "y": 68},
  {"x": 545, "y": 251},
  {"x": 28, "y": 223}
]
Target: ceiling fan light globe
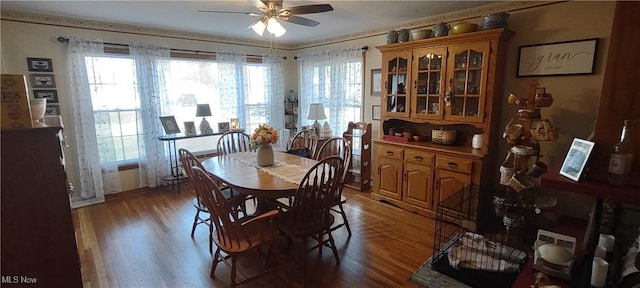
[
  {"x": 275, "y": 28},
  {"x": 259, "y": 27}
]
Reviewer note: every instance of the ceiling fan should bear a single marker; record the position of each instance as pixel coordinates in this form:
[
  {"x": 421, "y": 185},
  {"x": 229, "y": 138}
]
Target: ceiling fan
[{"x": 271, "y": 10}]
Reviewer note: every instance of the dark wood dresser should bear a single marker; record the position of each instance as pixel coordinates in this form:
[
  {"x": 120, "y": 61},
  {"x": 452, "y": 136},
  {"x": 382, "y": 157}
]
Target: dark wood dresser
[{"x": 37, "y": 234}]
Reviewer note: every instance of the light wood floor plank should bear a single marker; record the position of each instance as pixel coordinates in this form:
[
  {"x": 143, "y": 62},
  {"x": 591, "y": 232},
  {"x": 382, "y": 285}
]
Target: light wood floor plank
[{"x": 142, "y": 240}]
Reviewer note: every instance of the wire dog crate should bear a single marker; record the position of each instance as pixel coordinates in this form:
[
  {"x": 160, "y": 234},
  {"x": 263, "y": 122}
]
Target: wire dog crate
[{"x": 476, "y": 249}]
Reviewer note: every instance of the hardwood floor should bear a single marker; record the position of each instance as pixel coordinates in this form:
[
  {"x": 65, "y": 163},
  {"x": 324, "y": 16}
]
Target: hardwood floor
[{"x": 142, "y": 240}]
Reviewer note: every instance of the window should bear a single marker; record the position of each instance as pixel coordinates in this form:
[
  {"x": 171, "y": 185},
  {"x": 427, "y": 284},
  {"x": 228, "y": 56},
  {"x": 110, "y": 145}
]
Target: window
[
  {"x": 333, "y": 78},
  {"x": 116, "y": 103},
  {"x": 116, "y": 107}
]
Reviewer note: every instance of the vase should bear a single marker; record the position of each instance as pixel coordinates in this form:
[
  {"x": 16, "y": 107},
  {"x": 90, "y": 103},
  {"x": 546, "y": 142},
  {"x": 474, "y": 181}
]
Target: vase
[{"x": 264, "y": 155}]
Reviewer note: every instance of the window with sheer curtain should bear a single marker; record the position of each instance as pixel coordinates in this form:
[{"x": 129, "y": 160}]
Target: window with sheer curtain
[
  {"x": 333, "y": 78},
  {"x": 233, "y": 89}
]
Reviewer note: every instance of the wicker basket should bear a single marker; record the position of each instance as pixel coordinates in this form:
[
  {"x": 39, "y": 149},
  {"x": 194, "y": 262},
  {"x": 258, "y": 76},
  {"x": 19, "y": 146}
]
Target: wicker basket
[
  {"x": 521, "y": 182},
  {"x": 543, "y": 131},
  {"x": 445, "y": 137},
  {"x": 507, "y": 169},
  {"x": 544, "y": 100}
]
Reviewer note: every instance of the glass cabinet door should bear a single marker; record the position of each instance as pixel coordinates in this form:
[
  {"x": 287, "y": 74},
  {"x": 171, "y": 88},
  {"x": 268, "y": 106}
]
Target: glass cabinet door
[
  {"x": 395, "y": 90},
  {"x": 467, "y": 70},
  {"x": 428, "y": 83}
]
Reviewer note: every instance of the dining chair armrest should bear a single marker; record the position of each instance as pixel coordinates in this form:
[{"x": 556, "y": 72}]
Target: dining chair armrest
[{"x": 262, "y": 217}]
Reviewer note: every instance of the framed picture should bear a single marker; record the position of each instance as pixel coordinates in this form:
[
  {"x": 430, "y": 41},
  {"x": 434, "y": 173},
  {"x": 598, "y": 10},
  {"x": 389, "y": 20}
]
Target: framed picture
[
  {"x": 235, "y": 123},
  {"x": 42, "y": 81},
  {"x": 376, "y": 82},
  {"x": 375, "y": 112},
  {"x": 189, "y": 128},
  {"x": 559, "y": 58},
  {"x": 223, "y": 127},
  {"x": 576, "y": 159},
  {"x": 169, "y": 124},
  {"x": 39, "y": 64},
  {"x": 52, "y": 110},
  {"x": 50, "y": 95}
]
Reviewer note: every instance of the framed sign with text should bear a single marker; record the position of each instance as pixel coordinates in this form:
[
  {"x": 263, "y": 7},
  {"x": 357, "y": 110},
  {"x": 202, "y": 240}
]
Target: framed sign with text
[{"x": 559, "y": 58}]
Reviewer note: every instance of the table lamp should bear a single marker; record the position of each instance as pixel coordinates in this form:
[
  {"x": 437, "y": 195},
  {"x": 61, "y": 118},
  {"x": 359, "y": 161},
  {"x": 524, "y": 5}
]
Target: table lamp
[
  {"x": 316, "y": 112},
  {"x": 203, "y": 111}
]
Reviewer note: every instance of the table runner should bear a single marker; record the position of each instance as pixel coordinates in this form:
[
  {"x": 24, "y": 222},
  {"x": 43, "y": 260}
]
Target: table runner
[{"x": 285, "y": 171}]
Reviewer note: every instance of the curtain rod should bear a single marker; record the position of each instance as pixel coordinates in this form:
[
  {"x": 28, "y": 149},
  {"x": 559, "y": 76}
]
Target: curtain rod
[
  {"x": 365, "y": 48},
  {"x": 63, "y": 39}
]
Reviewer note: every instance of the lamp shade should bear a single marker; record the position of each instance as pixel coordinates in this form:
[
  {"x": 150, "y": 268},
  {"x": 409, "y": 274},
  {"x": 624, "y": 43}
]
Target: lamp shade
[
  {"x": 203, "y": 110},
  {"x": 316, "y": 112}
]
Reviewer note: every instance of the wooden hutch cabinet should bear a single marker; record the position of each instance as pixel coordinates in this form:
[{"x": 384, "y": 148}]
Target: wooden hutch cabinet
[
  {"x": 38, "y": 238},
  {"x": 451, "y": 83}
]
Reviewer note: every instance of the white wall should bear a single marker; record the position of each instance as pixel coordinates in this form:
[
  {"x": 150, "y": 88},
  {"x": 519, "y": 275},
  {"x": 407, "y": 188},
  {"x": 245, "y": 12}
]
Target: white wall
[{"x": 576, "y": 97}]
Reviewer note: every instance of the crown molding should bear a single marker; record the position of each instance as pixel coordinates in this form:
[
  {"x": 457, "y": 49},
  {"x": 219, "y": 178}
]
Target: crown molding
[{"x": 462, "y": 15}]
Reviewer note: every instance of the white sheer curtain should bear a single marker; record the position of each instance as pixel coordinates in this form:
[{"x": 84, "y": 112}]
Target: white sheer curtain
[
  {"x": 231, "y": 85},
  {"x": 152, "y": 68},
  {"x": 333, "y": 78},
  {"x": 91, "y": 185},
  {"x": 275, "y": 97}
]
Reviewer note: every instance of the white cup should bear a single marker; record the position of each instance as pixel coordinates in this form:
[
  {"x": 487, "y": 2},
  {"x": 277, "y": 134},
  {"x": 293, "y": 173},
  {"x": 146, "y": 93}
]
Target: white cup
[
  {"x": 607, "y": 241},
  {"x": 599, "y": 270},
  {"x": 476, "y": 141}
]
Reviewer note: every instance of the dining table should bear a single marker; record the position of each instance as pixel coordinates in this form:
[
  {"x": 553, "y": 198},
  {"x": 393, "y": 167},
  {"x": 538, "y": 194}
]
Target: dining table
[{"x": 241, "y": 172}]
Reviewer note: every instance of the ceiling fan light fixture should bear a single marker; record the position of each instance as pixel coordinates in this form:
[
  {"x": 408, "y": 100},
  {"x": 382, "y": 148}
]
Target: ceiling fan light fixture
[
  {"x": 275, "y": 28},
  {"x": 259, "y": 27}
]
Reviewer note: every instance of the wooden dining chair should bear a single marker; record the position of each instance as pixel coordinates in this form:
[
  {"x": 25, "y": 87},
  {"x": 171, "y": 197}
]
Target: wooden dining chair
[
  {"x": 338, "y": 146},
  {"x": 188, "y": 160},
  {"x": 233, "y": 236},
  {"x": 233, "y": 142},
  {"x": 310, "y": 213},
  {"x": 304, "y": 144}
]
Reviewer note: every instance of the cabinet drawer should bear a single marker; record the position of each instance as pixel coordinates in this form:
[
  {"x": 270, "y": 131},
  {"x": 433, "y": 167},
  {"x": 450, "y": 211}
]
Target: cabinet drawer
[
  {"x": 419, "y": 156},
  {"x": 454, "y": 163},
  {"x": 390, "y": 151}
]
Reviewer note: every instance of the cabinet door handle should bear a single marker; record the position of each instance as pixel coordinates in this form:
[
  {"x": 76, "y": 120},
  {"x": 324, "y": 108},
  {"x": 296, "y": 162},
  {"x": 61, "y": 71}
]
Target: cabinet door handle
[
  {"x": 452, "y": 164},
  {"x": 390, "y": 153},
  {"x": 418, "y": 158},
  {"x": 437, "y": 186},
  {"x": 415, "y": 83},
  {"x": 405, "y": 176},
  {"x": 385, "y": 86}
]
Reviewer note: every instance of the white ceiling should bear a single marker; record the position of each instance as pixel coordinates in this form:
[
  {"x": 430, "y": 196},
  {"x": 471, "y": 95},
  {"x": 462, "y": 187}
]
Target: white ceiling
[{"x": 348, "y": 17}]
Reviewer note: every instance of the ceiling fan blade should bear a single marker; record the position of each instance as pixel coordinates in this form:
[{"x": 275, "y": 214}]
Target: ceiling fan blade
[
  {"x": 300, "y": 21},
  {"x": 260, "y": 5},
  {"x": 230, "y": 12},
  {"x": 308, "y": 9}
]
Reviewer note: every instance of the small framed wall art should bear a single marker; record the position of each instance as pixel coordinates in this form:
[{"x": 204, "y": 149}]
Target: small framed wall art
[
  {"x": 376, "y": 82},
  {"x": 375, "y": 112},
  {"x": 39, "y": 81},
  {"x": 39, "y": 64},
  {"x": 50, "y": 95}
]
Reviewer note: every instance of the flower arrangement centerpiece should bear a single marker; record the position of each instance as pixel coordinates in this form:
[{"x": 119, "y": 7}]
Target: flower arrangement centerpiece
[{"x": 261, "y": 140}]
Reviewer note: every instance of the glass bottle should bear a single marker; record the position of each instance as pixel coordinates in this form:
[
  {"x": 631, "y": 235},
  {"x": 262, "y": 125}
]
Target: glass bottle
[{"x": 621, "y": 156}]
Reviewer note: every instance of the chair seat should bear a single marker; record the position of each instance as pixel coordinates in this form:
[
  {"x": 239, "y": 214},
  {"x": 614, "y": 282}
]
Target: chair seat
[
  {"x": 235, "y": 199},
  {"x": 305, "y": 228},
  {"x": 258, "y": 233}
]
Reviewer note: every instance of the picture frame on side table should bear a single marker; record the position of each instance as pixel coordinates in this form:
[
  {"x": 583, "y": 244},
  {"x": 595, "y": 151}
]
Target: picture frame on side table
[
  {"x": 52, "y": 110},
  {"x": 169, "y": 124},
  {"x": 189, "y": 128},
  {"x": 39, "y": 64},
  {"x": 575, "y": 57},
  {"x": 576, "y": 159},
  {"x": 42, "y": 81},
  {"x": 376, "y": 82},
  {"x": 223, "y": 127}
]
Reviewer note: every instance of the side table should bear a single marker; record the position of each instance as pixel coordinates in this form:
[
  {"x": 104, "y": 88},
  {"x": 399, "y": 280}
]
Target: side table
[{"x": 176, "y": 175}]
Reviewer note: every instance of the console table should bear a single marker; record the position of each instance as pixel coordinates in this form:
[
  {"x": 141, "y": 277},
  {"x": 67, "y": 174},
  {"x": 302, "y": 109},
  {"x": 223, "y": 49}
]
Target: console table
[{"x": 176, "y": 175}]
